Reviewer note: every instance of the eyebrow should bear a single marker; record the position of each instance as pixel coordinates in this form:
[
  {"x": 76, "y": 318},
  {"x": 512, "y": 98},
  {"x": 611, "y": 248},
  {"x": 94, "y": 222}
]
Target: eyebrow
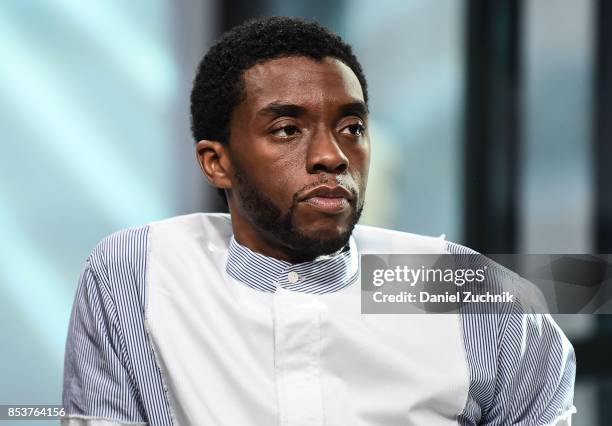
[
  {"x": 278, "y": 109},
  {"x": 357, "y": 108}
]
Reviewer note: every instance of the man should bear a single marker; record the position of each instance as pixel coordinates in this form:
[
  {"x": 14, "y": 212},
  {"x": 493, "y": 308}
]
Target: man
[{"x": 254, "y": 318}]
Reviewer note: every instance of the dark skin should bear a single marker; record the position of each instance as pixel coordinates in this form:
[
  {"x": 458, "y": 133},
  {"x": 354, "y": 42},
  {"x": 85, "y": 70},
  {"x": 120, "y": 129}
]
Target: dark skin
[{"x": 301, "y": 126}]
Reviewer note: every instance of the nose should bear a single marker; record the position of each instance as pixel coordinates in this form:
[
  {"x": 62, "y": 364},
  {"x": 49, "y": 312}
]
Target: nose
[{"x": 325, "y": 155}]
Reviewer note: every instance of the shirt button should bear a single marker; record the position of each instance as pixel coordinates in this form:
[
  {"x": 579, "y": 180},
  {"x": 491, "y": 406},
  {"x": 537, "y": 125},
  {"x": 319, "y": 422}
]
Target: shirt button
[{"x": 293, "y": 277}]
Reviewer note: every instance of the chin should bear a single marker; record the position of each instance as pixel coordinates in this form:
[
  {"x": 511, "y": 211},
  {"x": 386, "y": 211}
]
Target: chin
[
  {"x": 323, "y": 234},
  {"x": 326, "y": 234},
  {"x": 323, "y": 225},
  {"x": 319, "y": 242}
]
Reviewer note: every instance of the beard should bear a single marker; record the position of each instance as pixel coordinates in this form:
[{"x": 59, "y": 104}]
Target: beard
[{"x": 262, "y": 211}]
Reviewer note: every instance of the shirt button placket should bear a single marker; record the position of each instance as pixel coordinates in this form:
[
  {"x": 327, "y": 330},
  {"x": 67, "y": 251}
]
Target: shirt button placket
[{"x": 296, "y": 358}]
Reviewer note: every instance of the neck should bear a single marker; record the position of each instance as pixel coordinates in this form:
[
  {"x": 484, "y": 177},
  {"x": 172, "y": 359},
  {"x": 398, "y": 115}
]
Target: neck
[{"x": 257, "y": 240}]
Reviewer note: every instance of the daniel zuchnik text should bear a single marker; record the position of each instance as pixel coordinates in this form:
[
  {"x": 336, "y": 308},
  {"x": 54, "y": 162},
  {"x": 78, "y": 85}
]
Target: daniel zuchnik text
[{"x": 424, "y": 297}]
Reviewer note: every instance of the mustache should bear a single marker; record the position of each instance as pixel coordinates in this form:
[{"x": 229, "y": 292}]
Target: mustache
[{"x": 338, "y": 181}]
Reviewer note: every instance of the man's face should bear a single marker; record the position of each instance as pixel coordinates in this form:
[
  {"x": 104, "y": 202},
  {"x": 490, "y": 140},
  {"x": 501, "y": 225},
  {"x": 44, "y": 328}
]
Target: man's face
[{"x": 300, "y": 153}]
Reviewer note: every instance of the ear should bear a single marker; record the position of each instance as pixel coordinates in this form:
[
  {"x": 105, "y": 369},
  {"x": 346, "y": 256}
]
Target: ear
[{"x": 215, "y": 163}]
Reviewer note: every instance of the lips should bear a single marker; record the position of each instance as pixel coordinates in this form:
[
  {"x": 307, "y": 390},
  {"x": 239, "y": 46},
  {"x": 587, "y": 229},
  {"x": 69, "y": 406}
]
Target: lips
[
  {"x": 329, "y": 199},
  {"x": 330, "y": 204}
]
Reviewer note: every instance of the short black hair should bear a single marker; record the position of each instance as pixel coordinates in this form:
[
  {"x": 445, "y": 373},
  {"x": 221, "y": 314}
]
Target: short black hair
[{"x": 218, "y": 86}]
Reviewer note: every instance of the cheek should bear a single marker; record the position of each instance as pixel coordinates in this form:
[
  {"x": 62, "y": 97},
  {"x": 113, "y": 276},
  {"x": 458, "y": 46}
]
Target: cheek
[
  {"x": 360, "y": 165},
  {"x": 273, "y": 169},
  {"x": 280, "y": 180},
  {"x": 288, "y": 173}
]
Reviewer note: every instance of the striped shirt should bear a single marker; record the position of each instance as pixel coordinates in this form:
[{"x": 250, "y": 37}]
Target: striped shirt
[{"x": 120, "y": 368}]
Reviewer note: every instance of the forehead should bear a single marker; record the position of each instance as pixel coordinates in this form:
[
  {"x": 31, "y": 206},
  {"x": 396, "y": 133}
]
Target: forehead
[{"x": 301, "y": 80}]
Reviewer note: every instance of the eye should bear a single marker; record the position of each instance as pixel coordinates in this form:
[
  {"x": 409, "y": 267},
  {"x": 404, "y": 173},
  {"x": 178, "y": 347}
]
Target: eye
[
  {"x": 355, "y": 129},
  {"x": 285, "y": 131}
]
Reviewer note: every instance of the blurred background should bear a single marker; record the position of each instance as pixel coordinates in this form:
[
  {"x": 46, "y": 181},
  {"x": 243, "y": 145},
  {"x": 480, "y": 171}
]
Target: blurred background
[{"x": 490, "y": 122}]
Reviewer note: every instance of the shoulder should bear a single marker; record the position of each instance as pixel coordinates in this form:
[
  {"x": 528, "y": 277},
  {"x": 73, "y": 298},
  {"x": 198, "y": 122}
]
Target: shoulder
[
  {"x": 120, "y": 250},
  {"x": 128, "y": 248},
  {"x": 372, "y": 239},
  {"x": 195, "y": 224}
]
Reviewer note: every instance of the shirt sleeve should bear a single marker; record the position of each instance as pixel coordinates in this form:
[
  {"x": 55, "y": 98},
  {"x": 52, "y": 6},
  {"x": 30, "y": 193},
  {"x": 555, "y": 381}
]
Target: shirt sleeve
[
  {"x": 521, "y": 365},
  {"x": 99, "y": 385},
  {"x": 535, "y": 373}
]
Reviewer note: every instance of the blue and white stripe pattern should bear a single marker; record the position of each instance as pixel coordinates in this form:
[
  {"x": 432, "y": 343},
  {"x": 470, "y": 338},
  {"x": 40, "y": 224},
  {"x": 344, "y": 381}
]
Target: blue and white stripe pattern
[
  {"x": 323, "y": 275},
  {"x": 110, "y": 370},
  {"x": 521, "y": 366}
]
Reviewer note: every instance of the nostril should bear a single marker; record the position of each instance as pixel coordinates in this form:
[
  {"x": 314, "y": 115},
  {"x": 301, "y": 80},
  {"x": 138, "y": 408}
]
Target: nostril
[{"x": 338, "y": 168}]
